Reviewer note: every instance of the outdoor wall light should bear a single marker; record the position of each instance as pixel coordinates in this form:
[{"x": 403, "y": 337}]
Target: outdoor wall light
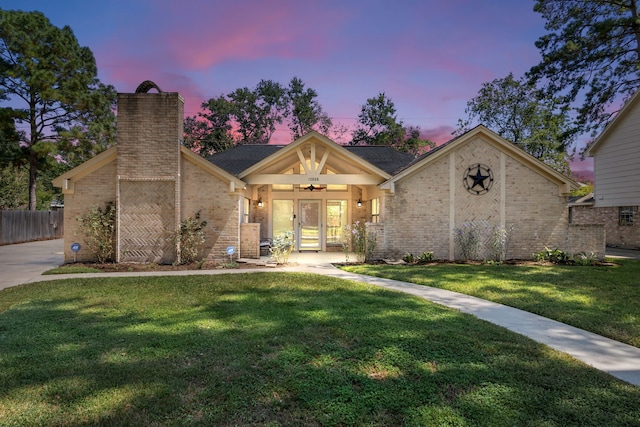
[
  {"x": 260, "y": 202},
  {"x": 359, "y": 203}
]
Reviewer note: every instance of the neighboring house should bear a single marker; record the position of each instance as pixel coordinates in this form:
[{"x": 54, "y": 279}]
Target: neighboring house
[
  {"x": 616, "y": 196},
  {"x": 315, "y": 187}
]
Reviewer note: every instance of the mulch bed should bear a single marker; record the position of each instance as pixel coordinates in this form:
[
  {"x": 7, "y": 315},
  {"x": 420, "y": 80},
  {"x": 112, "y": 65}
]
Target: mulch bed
[
  {"x": 210, "y": 265},
  {"x": 128, "y": 267}
]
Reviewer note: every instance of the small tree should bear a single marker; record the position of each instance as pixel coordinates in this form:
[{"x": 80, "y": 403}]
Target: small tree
[
  {"x": 190, "y": 237},
  {"x": 361, "y": 239},
  {"x": 99, "y": 229},
  {"x": 499, "y": 241},
  {"x": 468, "y": 239}
]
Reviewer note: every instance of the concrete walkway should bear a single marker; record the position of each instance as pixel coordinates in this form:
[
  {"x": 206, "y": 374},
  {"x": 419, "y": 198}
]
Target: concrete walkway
[
  {"x": 618, "y": 359},
  {"x": 24, "y": 263}
]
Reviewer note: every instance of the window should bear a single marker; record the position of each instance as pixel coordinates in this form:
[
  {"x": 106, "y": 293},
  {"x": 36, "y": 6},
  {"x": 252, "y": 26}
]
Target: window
[
  {"x": 282, "y": 217},
  {"x": 244, "y": 215},
  {"x": 336, "y": 220},
  {"x": 625, "y": 216},
  {"x": 282, "y": 187},
  {"x": 337, "y": 187},
  {"x": 375, "y": 210}
]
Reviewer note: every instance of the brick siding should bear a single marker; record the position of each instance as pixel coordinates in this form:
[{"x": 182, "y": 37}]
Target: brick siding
[{"x": 624, "y": 236}]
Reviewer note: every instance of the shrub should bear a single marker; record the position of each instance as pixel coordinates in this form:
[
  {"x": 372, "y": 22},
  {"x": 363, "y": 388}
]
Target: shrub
[
  {"x": 99, "y": 229},
  {"x": 361, "y": 239},
  {"x": 585, "y": 259},
  {"x": 555, "y": 256},
  {"x": 499, "y": 240},
  {"x": 281, "y": 247},
  {"x": 190, "y": 237},
  {"x": 468, "y": 239},
  {"x": 409, "y": 258},
  {"x": 426, "y": 256}
]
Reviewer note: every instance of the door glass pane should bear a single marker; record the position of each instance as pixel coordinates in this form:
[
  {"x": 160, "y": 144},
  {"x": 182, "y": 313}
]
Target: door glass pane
[
  {"x": 310, "y": 225},
  {"x": 282, "y": 216},
  {"x": 336, "y": 220}
]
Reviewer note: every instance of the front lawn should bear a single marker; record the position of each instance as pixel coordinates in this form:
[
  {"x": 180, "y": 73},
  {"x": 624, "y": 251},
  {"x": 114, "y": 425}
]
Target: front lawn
[
  {"x": 604, "y": 300},
  {"x": 278, "y": 349}
]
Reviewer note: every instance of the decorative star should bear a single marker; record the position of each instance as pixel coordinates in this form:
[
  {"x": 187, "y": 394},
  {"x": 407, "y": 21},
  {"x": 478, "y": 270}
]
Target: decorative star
[{"x": 478, "y": 179}]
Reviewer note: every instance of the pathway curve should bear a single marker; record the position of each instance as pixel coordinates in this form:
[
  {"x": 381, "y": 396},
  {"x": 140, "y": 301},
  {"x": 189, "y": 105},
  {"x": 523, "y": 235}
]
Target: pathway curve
[
  {"x": 618, "y": 359},
  {"x": 25, "y": 263}
]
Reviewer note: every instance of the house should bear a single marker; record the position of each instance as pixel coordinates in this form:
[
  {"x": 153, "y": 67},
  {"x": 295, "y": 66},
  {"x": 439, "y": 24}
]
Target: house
[
  {"x": 616, "y": 196},
  {"x": 314, "y": 187}
]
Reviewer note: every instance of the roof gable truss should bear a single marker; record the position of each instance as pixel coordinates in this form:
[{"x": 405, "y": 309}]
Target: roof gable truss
[{"x": 314, "y": 161}]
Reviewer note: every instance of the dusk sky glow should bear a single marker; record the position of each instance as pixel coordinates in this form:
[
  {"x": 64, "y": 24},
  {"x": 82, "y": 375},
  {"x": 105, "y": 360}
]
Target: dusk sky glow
[{"x": 429, "y": 56}]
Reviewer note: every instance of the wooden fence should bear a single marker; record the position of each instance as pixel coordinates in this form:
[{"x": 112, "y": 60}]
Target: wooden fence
[{"x": 28, "y": 226}]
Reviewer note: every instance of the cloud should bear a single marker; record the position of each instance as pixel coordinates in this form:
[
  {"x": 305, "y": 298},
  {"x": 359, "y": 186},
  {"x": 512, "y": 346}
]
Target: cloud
[
  {"x": 439, "y": 134},
  {"x": 213, "y": 33}
]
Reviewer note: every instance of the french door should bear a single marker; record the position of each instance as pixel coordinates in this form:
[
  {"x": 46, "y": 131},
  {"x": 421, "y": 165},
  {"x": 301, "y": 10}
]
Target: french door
[{"x": 310, "y": 225}]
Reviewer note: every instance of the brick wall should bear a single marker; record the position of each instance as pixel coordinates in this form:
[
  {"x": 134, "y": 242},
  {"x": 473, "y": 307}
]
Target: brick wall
[
  {"x": 96, "y": 189},
  {"x": 625, "y": 236},
  {"x": 417, "y": 216},
  {"x": 587, "y": 238},
  {"x": 150, "y": 127},
  {"x": 538, "y": 214},
  {"x": 250, "y": 240},
  {"x": 208, "y": 194}
]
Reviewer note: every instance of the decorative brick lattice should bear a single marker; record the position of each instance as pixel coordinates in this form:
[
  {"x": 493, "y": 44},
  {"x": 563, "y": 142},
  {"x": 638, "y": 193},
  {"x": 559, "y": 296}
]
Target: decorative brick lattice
[{"x": 147, "y": 217}]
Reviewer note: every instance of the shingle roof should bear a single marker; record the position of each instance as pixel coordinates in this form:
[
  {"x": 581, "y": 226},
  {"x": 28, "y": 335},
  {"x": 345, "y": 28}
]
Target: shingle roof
[
  {"x": 428, "y": 153},
  {"x": 385, "y": 158},
  {"x": 242, "y": 157}
]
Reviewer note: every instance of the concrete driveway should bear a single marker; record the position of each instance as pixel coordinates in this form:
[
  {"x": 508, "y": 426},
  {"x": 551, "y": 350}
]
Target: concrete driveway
[
  {"x": 25, "y": 262},
  {"x": 623, "y": 253}
]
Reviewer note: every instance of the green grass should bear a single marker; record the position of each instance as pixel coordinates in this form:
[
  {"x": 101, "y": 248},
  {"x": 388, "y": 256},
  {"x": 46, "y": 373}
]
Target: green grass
[
  {"x": 72, "y": 269},
  {"x": 603, "y": 300},
  {"x": 278, "y": 349}
]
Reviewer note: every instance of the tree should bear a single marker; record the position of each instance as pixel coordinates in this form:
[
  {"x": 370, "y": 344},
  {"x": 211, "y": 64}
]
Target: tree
[
  {"x": 258, "y": 111},
  {"x": 43, "y": 68},
  {"x": 13, "y": 187},
  {"x": 515, "y": 111},
  {"x": 413, "y": 143},
  {"x": 304, "y": 111},
  {"x": 94, "y": 130},
  {"x": 9, "y": 136},
  {"x": 591, "y": 54},
  {"x": 210, "y": 131},
  {"x": 251, "y": 116},
  {"x": 378, "y": 124}
]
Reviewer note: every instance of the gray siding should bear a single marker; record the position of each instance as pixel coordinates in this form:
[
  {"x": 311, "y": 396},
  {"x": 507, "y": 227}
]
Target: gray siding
[{"x": 617, "y": 163}]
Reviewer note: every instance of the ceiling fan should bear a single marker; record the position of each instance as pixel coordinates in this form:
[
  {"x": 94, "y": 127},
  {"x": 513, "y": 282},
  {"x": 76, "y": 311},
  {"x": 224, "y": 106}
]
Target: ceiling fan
[{"x": 313, "y": 187}]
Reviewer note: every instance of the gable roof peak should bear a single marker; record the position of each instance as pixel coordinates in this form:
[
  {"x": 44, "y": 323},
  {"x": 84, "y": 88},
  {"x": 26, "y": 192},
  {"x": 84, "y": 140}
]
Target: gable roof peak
[{"x": 629, "y": 105}]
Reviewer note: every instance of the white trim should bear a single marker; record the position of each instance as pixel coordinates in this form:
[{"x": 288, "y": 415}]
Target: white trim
[
  {"x": 452, "y": 204},
  {"x": 503, "y": 189},
  {"x": 349, "y": 179}
]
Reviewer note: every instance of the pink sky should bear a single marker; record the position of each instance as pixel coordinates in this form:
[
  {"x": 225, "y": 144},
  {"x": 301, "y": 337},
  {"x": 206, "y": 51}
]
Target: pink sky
[{"x": 429, "y": 56}]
